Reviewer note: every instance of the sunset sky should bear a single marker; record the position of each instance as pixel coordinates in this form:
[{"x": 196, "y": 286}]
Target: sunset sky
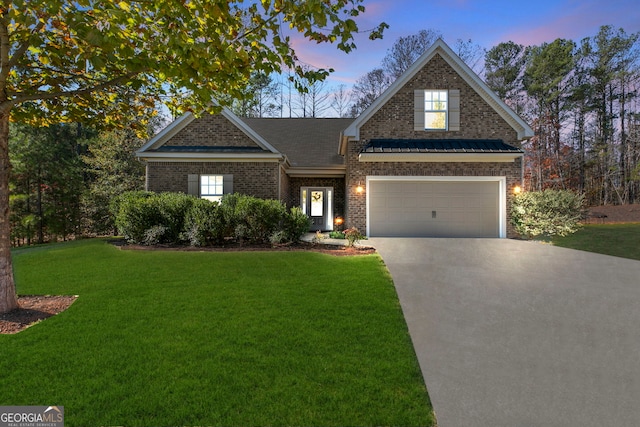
[{"x": 485, "y": 22}]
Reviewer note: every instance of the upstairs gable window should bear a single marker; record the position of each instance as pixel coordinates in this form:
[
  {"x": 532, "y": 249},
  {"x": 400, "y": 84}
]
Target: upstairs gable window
[{"x": 435, "y": 109}]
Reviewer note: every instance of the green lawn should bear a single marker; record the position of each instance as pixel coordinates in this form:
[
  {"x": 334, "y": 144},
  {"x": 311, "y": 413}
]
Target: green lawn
[
  {"x": 202, "y": 338},
  {"x": 622, "y": 240}
]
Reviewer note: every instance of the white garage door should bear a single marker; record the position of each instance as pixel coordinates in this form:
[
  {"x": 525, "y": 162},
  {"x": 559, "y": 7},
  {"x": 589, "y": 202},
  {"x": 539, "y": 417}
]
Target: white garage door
[{"x": 434, "y": 208}]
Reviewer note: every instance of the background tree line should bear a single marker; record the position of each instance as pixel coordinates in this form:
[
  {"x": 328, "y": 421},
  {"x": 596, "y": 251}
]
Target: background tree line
[
  {"x": 581, "y": 98},
  {"x": 64, "y": 177}
]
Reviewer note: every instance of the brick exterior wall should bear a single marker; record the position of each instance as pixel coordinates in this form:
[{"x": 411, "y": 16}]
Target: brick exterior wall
[
  {"x": 478, "y": 120},
  {"x": 211, "y": 131},
  {"x": 259, "y": 179}
]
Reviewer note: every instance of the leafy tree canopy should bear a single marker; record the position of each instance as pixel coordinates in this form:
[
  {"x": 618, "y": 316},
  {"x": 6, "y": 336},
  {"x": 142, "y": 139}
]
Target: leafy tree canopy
[{"x": 73, "y": 60}]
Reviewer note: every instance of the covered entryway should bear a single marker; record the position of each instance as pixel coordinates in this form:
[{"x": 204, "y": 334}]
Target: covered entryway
[
  {"x": 317, "y": 203},
  {"x": 436, "y": 206}
]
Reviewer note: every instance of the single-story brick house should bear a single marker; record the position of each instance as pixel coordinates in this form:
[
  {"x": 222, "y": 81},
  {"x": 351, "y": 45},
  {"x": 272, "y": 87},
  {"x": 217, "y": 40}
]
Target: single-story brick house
[{"x": 438, "y": 154}]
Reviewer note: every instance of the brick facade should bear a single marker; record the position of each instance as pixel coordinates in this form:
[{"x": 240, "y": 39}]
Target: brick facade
[
  {"x": 259, "y": 179},
  {"x": 268, "y": 178},
  {"x": 211, "y": 131},
  {"x": 478, "y": 120}
]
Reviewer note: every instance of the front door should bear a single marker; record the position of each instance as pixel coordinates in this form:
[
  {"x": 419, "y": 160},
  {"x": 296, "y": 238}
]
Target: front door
[{"x": 317, "y": 203}]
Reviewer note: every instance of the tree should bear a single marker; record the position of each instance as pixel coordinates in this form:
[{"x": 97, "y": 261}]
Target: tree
[
  {"x": 63, "y": 60},
  {"x": 547, "y": 81},
  {"x": 259, "y": 98},
  {"x": 367, "y": 89},
  {"x": 406, "y": 50},
  {"x": 471, "y": 53},
  {"x": 504, "y": 66},
  {"x": 340, "y": 100},
  {"x": 113, "y": 169}
]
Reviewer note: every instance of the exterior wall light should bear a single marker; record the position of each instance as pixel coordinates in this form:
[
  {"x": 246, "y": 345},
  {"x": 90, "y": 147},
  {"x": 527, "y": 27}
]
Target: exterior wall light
[
  {"x": 338, "y": 221},
  {"x": 359, "y": 188},
  {"x": 517, "y": 189}
]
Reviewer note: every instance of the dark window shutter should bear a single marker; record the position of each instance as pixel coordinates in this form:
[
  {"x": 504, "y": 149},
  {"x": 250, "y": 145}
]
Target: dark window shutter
[
  {"x": 193, "y": 185},
  {"x": 227, "y": 184}
]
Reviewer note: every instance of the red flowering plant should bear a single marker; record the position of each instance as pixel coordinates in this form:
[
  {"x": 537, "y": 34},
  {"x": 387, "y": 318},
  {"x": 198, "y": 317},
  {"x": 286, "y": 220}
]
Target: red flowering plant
[{"x": 353, "y": 236}]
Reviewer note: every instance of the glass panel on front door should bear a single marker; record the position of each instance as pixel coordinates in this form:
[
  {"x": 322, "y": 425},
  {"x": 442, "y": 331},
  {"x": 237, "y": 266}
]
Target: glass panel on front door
[{"x": 317, "y": 203}]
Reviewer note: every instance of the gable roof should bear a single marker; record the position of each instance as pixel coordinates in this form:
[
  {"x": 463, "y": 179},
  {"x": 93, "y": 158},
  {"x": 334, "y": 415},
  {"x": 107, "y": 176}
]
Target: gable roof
[
  {"x": 156, "y": 147},
  {"x": 468, "y": 75},
  {"x": 307, "y": 142}
]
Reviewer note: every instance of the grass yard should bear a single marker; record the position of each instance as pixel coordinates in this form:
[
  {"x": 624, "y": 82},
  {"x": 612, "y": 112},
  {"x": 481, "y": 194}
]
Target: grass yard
[
  {"x": 621, "y": 240},
  {"x": 161, "y": 338}
]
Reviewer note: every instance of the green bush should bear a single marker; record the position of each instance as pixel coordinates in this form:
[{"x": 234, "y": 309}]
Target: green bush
[
  {"x": 173, "y": 209},
  {"x": 296, "y": 223},
  {"x": 548, "y": 213},
  {"x": 200, "y": 225},
  {"x": 258, "y": 219},
  {"x": 149, "y": 218},
  {"x": 135, "y": 213},
  {"x": 337, "y": 235}
]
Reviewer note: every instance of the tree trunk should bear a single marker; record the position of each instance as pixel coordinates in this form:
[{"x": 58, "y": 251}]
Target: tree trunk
[{"x": 8, "y": 298}]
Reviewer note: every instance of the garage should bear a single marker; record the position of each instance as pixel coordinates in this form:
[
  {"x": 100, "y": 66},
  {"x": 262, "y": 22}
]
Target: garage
[{"x": 435, "y": 207}]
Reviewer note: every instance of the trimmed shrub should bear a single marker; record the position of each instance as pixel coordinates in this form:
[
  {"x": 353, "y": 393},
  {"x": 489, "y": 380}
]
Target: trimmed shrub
[
  {"x": 135, "y": 213},
  {"x": 548, "y": 213},
  {"x": 296, "y": 223},
  {"x": 173, "y": 209},
  {"x": 149, "y": 218},
  {"x": 200, "y": 225}
]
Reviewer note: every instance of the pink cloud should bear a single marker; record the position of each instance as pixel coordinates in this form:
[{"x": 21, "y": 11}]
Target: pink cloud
[{"x": 575, "y": 23}]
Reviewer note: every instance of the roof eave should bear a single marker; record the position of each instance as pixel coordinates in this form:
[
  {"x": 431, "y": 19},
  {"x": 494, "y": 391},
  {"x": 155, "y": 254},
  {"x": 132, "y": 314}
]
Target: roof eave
[
  {"x": 209, "y": 157},
  {"x": 318, "y": 172}
]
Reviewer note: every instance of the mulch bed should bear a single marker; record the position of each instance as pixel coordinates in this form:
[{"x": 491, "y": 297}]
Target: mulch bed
[
  {"x": 613, "y": 214},
  {"x": 32, "y": 309}
]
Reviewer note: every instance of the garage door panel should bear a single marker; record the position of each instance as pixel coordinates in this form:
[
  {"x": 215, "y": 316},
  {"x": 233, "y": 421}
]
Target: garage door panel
[{"x": 462, "y": 209}]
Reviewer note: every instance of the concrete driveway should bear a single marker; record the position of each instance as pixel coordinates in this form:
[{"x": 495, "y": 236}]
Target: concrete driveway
[{"x": 513, "y": 333}]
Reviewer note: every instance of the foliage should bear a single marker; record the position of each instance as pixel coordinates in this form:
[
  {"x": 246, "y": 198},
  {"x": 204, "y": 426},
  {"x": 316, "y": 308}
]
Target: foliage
[
  {"x": 135, "y": 213},
  {"x": 337, "y": 235},
  {"x": 353, "y": 236},
  {"x": 46, "y": 182},
  {"x": 548, "y": 212},
  {"x": 112, "y": 169},
  {"x": 200, "y": 226},
  {"x": 174, "y": 218},
  {"x": 295, "y": 224},
  {"x": 72, "y": 60}
]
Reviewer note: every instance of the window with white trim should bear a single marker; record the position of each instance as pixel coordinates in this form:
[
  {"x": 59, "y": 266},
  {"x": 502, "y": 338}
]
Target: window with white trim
[
  {"x": 212, "y": 187},
  {"x": 435, "y": 109}
]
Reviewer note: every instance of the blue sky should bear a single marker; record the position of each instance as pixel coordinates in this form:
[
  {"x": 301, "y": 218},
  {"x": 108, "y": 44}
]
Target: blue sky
[{"x": 485, "y": 22}]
